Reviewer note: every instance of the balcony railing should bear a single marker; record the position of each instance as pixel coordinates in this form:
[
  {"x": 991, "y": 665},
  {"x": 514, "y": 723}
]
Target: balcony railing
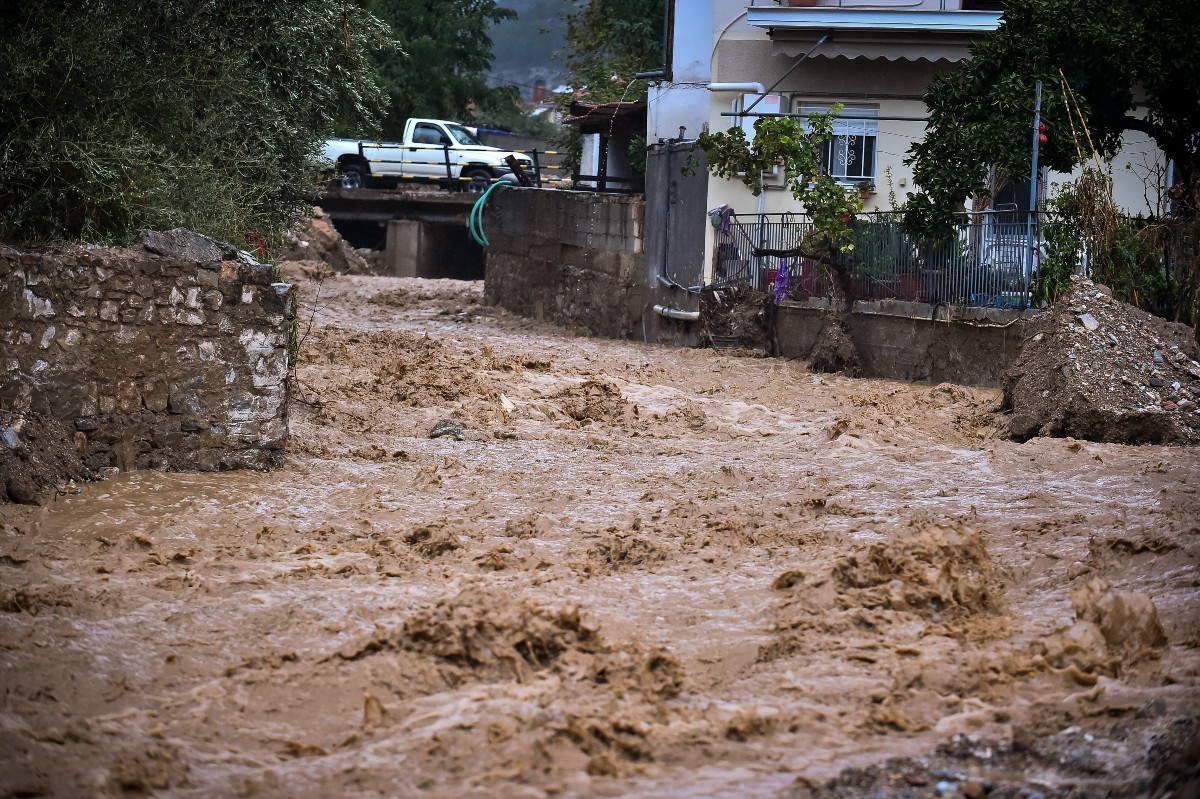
[{"x": 986, "y": 263}]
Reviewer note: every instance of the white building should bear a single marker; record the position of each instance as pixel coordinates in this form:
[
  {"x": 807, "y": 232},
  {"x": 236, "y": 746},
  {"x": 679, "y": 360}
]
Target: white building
[{"x": 876, "y": 58}]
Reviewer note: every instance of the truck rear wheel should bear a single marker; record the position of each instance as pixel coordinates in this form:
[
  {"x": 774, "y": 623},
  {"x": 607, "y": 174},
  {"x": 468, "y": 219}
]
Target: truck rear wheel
[{"x": 353, "y": 175}]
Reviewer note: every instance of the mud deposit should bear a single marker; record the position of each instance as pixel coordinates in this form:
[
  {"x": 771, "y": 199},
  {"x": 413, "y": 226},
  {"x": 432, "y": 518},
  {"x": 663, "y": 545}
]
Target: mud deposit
[{"x": 617, "y": 570}]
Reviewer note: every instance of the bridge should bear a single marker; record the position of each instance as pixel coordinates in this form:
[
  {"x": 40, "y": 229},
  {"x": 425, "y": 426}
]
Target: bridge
[{"x": 422, "y": 230}]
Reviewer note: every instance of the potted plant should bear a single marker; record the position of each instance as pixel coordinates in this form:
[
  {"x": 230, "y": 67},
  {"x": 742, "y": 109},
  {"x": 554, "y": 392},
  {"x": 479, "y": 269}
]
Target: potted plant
[{"x": 865, "y": 188}]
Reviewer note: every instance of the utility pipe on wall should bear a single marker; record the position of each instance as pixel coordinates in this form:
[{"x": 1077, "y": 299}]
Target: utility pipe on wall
[
  {"x": 757, "y": 88},
  {"x": 677, "y": 313}
]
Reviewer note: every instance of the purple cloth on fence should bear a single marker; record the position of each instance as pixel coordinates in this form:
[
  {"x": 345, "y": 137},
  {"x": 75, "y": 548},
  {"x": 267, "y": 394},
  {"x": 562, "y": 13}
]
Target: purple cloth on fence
[{"x": 781, "y": 281}]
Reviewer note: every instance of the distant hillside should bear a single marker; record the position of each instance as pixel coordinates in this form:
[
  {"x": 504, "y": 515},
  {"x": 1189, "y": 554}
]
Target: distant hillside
[{"x": 524, "y": 48}]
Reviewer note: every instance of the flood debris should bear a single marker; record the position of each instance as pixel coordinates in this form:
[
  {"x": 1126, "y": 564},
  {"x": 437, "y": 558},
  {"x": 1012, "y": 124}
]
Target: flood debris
[{"x": 1098, "y": 369}]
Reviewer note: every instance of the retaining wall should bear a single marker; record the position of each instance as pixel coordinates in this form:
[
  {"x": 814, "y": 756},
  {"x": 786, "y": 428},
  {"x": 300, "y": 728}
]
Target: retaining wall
[
  {"x": 173, "y": 355},
  {"x": 913, "y": 341},
  {"x": 576, "y": 259}
]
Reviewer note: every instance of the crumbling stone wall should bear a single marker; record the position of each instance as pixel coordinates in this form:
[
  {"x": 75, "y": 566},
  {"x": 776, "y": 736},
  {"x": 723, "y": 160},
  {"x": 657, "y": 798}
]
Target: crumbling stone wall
[{"x": 172, "y": 355}]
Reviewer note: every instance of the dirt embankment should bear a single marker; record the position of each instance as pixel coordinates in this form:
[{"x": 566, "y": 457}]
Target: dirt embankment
[
  {"x": 318, "y": 248},
  {"x": 38, "y": 459},
  {"x": 1099, "y": 369}
]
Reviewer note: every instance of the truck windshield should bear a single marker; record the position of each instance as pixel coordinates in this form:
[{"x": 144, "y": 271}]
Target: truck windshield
[{"x": 463, "y": 136}]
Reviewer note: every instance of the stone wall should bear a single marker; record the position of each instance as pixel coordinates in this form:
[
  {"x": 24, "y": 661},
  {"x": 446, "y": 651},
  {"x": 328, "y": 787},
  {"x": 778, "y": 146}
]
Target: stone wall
[
  {"x": 171, "y": 355},
  {"x": 573, "y": 258},
  {"x": 904, "y": 340}
]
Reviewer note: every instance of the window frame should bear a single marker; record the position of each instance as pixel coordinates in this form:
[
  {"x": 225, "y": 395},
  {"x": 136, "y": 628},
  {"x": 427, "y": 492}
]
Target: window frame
[{"x": 847, "y": 129}]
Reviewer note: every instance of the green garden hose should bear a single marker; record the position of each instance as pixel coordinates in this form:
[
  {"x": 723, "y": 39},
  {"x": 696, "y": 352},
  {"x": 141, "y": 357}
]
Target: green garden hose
[{"x": 475, "y": 222}]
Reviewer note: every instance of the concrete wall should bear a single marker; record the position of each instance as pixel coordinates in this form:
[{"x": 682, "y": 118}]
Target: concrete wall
[
  {"x": 903, "y": 341},
  {"x": 155, "y": 360},
  {"x": 577, "y": 259}
]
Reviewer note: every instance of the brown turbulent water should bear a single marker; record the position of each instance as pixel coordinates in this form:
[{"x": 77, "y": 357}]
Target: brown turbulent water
[{"x": 642, "y": 571}]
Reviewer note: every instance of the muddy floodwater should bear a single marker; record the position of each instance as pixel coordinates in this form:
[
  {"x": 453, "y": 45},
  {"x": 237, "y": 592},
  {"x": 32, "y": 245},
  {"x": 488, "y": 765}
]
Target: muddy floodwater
[{"x": 617, "y": 570}]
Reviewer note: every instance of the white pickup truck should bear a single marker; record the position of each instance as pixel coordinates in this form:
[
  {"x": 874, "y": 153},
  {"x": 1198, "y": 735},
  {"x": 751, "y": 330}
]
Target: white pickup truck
[{"x": 432, "y": 150}]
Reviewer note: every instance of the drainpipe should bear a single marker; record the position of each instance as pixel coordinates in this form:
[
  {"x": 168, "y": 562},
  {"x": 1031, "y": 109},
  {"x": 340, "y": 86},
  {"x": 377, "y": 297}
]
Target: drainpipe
[
  {"x": 677, "y": 313},
  {"x": 756, "y": 88}
]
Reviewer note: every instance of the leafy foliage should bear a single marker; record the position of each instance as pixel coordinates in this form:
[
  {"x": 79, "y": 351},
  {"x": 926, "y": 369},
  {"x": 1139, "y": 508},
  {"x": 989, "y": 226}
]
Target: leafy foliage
[
  {"x": 608, "y": 42},
  {"x": 446, "y": 53},
  {"x": 1113, "y": 54},
  {"x": 1146, "y": 263},
  {"x": 1064, "y": 244},
  {"x": 117, "y": 115},
  {"x": 799, "y": 151}
]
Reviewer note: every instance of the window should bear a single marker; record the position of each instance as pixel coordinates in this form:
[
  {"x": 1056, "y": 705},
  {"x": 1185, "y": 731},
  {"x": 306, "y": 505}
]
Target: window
[
  {"x": 850, "y": 157},
  {"x": 464, "y": 136},
  {"x": 429, "y": 134}
]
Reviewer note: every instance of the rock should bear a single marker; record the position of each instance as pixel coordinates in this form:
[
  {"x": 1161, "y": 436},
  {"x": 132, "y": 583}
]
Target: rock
[
  {"x": 1156, "y": 382},
  {"x": 108, "y": 472},
  {"x": 10, "y": 438},
  {"x": 1158, "y": 358},
  {"x": 1089, "y": 321},
  {"x": 85, "y": 424},
  {"x": 945, "y": 788},
  {"x": 448, "y": 427},
  {"x": 188, "y": 245},
  {"x": 23, "y": 491},
  {"x": 973, "y": 790}
]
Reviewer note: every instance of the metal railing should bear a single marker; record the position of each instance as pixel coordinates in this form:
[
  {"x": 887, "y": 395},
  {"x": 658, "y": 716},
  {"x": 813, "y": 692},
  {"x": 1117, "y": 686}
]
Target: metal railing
[{"x": 984, "y": 264}]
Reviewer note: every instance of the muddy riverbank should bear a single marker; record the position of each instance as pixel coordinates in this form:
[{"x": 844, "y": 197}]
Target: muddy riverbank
[{"x": 618, "y": 570}]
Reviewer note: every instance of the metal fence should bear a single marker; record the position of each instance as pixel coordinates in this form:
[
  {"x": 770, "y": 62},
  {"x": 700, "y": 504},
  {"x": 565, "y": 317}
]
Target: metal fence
[{"x": 983, "y": 264}]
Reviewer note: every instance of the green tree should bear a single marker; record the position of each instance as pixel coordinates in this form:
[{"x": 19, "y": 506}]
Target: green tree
[
  {"x": 1115, "y": 55},
  {"x": 442, "y": 71},
  {"x": 608, "y": 42},
  {"x": 117, "y": 115},
  {"x": 798, "y": 148}
]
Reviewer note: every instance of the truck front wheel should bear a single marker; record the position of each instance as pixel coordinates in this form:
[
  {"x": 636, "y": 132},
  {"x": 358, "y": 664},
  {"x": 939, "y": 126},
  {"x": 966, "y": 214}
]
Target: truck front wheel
[{"x": 480, "y": 179}]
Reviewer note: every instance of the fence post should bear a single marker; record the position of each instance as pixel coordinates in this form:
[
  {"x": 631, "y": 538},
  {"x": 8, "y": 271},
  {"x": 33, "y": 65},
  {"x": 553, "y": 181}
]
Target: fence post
[
  {"x": 537, "y": 169},
  {"x": 1027, "y": 273}
]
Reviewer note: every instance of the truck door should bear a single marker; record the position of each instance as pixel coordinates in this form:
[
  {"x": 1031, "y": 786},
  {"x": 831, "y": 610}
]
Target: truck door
[
  {"x": 425, "y": 155},
  {"x": 385, "y": 158}
]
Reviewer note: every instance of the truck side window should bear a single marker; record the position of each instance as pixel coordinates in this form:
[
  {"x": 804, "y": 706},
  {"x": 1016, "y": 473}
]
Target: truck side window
[{"x": 429, "y": 134}]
